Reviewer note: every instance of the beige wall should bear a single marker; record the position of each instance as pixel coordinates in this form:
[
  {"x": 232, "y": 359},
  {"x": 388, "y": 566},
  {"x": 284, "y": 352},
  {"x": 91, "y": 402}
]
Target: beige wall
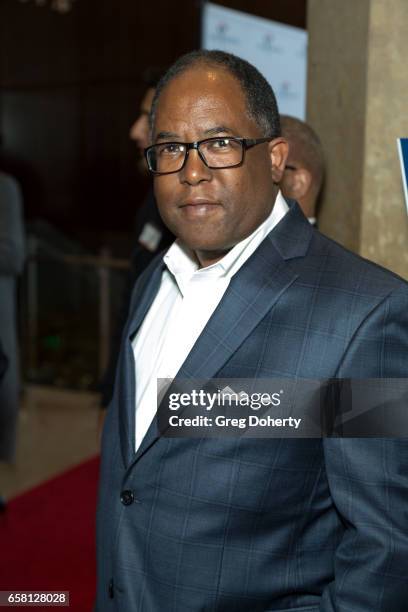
[{"x": 357, "y": 100}]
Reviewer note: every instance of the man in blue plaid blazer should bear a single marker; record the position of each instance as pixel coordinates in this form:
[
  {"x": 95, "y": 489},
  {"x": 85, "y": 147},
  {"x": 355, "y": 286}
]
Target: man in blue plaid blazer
[{"x": 241, "y": 524}]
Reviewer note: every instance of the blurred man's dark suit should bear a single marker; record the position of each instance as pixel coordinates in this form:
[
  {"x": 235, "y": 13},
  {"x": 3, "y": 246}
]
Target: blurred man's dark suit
[
  {"x": 232, "y": 525},
  {"x": 3, "y": 362}
]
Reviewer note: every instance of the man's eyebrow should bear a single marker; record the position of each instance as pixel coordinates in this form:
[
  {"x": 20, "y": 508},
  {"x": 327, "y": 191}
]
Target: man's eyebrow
[
  {"x": 218, "y": 130},
  {"x": 166, "y": 135}
]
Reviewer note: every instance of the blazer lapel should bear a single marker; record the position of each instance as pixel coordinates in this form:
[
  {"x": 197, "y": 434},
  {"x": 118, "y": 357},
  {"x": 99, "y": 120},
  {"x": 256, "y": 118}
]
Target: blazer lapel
[
  {"x": 125, "y": 387},
  {"x": 252, "y": 292}
]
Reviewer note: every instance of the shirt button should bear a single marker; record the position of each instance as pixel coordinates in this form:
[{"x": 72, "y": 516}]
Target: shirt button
[{"x": 127, "y": 498}]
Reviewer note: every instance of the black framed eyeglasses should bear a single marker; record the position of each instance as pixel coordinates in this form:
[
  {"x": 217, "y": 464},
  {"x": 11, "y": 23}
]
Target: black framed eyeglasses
[{"x": 216, "y": 153}]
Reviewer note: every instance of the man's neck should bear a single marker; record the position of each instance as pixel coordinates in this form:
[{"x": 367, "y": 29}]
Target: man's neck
[{"x": 207, "y": 258}]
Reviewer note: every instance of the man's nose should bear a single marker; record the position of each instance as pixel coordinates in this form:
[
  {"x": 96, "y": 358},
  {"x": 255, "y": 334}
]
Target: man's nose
[{"x": 195, "y": 170}]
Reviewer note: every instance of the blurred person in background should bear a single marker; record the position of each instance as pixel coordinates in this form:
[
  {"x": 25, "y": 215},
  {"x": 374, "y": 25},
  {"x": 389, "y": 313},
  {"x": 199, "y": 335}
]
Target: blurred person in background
[
  {"x": 304, "y": 172},
  {"x": 139, "y": 130},
  {"x": 3, "y": 368},
  {"x": 3, "y": 362},
  {"x": 12, "y": 256},
  {"x": 151, "y": 234}
]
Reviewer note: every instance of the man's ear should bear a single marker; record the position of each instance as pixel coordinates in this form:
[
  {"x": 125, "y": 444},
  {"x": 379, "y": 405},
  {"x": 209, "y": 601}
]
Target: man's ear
[
  {"x": 278, "y": 151},
  {"x": 300, "y": 182}
]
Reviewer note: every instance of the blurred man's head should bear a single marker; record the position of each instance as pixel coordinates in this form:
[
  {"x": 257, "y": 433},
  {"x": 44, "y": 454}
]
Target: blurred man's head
[
  {"x": 304, "y": 173},
  {"x": 140, "y": 131},
  {"x": 217, "y": 154}
]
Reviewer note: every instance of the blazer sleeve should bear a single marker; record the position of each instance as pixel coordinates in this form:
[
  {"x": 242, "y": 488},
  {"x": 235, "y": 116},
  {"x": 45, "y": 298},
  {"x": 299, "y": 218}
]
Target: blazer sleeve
[{"x": 368, "y": 480}]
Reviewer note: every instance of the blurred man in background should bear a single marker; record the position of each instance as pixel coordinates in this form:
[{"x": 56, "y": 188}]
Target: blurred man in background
[
  {"x": 12, "y": 257},
  {"x": 139, "y": 130},
  {"x": 151, "y": 235},
  {"x": 150, "y": 232},
  {"x": 304, "y": 173},
  {"x": 3, "y": 368}
]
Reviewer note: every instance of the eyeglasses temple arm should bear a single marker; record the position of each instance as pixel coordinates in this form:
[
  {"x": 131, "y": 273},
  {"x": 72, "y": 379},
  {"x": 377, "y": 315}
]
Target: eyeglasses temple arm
[{"x": 251, "y": 142}]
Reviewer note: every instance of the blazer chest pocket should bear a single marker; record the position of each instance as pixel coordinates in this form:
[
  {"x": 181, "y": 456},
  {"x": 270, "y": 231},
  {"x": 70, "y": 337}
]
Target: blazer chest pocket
[{"x": 258, "y": 475}]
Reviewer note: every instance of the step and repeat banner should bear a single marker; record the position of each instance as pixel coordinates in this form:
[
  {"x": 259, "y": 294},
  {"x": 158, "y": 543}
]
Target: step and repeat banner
[{"x": 278, "y": 50}]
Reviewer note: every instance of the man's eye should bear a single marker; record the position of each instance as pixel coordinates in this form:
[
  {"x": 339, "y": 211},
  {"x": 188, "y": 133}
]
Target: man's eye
[
  {"x": 221, "y": 143},
  {"x": 171, "y": 149}
]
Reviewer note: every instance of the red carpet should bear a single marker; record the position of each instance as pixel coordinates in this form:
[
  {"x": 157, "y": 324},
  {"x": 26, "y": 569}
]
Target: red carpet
[{"x": 47, "y": 537}]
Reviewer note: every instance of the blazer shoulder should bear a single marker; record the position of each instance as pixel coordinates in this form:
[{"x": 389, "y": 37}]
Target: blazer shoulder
[{"x": 352, "y": 271}]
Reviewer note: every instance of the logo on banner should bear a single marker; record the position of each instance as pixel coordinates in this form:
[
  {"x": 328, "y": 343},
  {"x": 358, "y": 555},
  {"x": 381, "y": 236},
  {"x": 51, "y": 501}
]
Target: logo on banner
[
  {"x": 268, "y": 44},
  {"x": 286, "y": 90},
  {"x": 221, "y": 36}
]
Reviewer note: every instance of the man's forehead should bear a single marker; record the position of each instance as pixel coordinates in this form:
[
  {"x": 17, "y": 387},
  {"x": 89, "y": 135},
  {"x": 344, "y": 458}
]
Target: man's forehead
[
  {"x": 201, "y": 94},
  {"x": 201, "y": 83},
  {"x": 200, "y": 123},
  {"x": 205, "y": 73},
  {"x": 199, "y": 99}
]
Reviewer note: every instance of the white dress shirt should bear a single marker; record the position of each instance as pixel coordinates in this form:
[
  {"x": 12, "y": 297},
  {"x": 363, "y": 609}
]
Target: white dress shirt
[{"x": 187, "y": 297}]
